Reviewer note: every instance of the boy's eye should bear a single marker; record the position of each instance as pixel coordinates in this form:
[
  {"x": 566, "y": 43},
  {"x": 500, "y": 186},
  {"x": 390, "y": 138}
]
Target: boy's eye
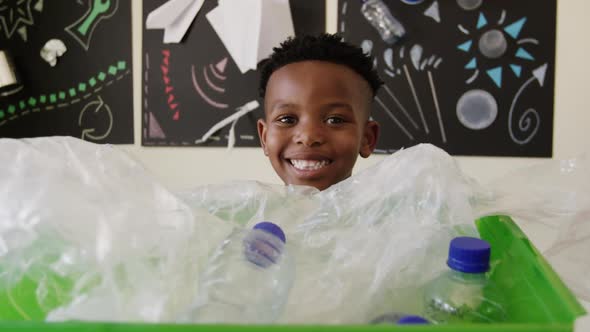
[
  {"x": 286, "y": 119},
  {"x": 334, "y": 120}
]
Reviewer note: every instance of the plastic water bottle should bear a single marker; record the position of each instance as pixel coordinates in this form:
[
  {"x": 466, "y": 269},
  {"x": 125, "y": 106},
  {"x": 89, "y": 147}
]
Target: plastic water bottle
[
  {"x": 377, "y": 13},
  {"x": 464, "y": 294},
  {"x": 399, "y": 319},
  {"x": 247, "y": 279}
]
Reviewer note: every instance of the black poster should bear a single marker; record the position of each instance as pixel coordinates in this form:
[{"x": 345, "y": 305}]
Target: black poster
[
  {"x": 73, "y": 60},
  {"x": 470, "y": 76},
  {"x": 190, "y": 86}
]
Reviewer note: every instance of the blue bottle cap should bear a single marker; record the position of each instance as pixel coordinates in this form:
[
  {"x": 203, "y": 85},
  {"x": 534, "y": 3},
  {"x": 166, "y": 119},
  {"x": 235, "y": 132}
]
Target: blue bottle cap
[
  {"x": 271, "y": 228},
  {"x": 469, "y": 255},
  {"x": 411, "y": 320}
]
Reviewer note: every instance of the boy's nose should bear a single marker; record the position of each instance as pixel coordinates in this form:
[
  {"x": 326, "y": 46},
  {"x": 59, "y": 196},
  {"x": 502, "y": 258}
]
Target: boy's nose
[{"x": 310, "y": 134}]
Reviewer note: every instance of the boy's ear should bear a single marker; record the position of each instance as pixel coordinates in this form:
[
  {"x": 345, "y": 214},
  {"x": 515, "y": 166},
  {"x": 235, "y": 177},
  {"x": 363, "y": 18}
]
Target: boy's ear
[
  {"x": 261, "y": 126},
  {"x": 370, "y": 136}
]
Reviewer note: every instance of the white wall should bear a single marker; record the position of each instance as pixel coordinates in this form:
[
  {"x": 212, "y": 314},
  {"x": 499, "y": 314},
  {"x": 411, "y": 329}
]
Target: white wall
[{"x": 186, "y": 167}]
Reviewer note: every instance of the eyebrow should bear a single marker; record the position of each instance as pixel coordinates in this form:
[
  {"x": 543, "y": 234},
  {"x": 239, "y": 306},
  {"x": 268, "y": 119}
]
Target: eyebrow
[{"x": 338, "y": 105}]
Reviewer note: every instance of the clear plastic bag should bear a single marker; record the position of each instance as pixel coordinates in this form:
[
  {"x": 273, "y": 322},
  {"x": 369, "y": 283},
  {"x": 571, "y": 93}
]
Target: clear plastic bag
[
  {"x": 96, "y": 236},
  {"x": 551, "y": 202},
  {"x": 100, "y": 240}
]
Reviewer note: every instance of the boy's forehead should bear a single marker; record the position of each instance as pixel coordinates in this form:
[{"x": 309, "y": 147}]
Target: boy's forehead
[{"x": 317, "y": 79}]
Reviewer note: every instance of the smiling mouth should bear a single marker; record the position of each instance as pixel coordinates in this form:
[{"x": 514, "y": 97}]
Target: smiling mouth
[{"x": 309, "y": 165}]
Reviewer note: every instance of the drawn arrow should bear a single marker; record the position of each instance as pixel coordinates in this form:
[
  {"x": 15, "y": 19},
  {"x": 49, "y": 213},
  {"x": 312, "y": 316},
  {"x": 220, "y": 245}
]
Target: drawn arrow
[
  {"x": 89, "y": 132},
  {"x": 524, "y": 122}
]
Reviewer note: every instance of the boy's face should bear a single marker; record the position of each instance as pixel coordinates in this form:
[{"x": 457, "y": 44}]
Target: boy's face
[{"x": 316, "y": 122}]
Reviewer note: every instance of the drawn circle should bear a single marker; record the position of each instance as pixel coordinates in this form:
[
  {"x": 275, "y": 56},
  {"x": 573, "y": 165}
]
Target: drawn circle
[
  {"x": 469, "y": 4},
  {"x": 477, "y": 109},
  {"x": 413, "y": 2},
  {"x": 367, "y": 46},
  {"x": 492, "y": 44}
]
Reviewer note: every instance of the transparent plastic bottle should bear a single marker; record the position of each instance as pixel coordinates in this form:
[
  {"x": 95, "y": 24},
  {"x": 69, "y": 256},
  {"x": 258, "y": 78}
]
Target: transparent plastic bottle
[
  {"x": 464, "y": 294},
  {"x": 378, "y": 14},
  {"x": 247, "y": 280}
]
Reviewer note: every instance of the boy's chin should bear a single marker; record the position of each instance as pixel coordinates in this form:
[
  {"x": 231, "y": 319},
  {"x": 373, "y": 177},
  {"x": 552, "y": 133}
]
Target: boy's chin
[{"x": 319, "y": 185}]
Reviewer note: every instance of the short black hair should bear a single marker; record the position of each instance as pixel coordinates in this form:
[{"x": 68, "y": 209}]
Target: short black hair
[{"x": 324, "y": 47}]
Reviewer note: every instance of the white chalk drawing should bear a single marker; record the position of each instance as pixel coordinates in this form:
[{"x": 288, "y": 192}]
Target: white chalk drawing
[
  {"x": 16, "y": 15},
  {"x": 83, "y": 29},
  {"x": 397, "y": 122},
  {"x": 528, "y": 41},
  {"x": 400, "y": 106},
  {"x": 437, "y": 107},
  {"x": 217, "y": 70},
  {"x": 415, "y": 55},
  {"x": 416, "y": 100},
  {"x": 530, "y": 117},
  {"x": 502, "y": 17},
  {"x": 433, "y": 12},
  {"x": 462, "y": 29},
  {"x": 96, "y": 108},
  {"x": 367, "y": 46}
]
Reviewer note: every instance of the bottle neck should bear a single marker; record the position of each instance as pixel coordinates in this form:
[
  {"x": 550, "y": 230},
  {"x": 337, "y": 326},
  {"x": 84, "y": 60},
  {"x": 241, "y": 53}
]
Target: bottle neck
[{"x": 468, "y": 277}]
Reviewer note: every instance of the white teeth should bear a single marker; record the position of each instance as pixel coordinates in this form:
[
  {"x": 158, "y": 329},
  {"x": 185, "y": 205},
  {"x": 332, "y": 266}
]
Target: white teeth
[{"x": 309, "y": 165}]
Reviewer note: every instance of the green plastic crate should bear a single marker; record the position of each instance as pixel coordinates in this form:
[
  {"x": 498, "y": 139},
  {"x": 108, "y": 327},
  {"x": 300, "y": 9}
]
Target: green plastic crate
[{"x": 537, "y": 299}]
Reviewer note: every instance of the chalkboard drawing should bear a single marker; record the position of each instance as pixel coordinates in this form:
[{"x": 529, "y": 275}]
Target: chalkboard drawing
[
  {"x": 208, "y": 73},
  {"x": 233, "y": 120},
  {"x": 84, "y": 27},
  {"x": 175, "y": 17},
  {"x": 433, "y": 12},
  {"x": 154, "y": 128},
  {"x": 394, "y": 118},
  {"x": 493, "y": 44},
  {"x": 96, "y": 109},
  {"x": 168, "y": 87},
  {"x": 16, "y": 15},
  {"x": 249, "y": 29},
  {"x": 71, "y": 96},
  {"x": 529, "y": 121}
]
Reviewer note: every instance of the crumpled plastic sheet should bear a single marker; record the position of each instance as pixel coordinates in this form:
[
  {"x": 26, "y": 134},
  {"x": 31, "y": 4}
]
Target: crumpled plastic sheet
[
  {"x": 90, "y": 226},
  {"x": 551, "y": 197},
  {"x": 363, "y": 247}
]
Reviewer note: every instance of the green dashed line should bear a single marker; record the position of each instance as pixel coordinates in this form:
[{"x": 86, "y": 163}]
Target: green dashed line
[{"x": 62, "y": 95}]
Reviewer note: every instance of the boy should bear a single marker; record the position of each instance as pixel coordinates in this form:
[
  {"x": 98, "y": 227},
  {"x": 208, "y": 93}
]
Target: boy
[{"x": 317, "y": 99}]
